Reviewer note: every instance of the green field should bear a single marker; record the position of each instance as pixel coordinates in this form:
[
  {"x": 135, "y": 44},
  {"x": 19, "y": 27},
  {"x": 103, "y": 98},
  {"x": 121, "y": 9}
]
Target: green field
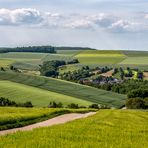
[
  {"x": 39, "y": 97},
  {"x": 100, "y": 57},
  {"x": 106, "y": 129},
  {"x": 136, "y": 53},
  {"x": 15, "y": 117},
  {"x": 136, "y": 61},
  {"x": 69, "y": 52},
  {"x": 67, "y": 88},
  {"x": 92, "y": 58},
  {"x": 70, "y": 67},
  {"x": 5, "y": 62}
]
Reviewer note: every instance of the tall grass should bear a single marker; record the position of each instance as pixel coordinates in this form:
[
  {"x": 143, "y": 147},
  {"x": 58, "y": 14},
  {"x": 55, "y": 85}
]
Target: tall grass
[
  {"x": 106, "y": 129},
  {"x": 11, "y": 117}
]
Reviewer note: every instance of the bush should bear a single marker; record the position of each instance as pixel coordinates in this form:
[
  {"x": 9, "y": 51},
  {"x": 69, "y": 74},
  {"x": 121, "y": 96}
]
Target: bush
[
  {"x": 138, "y": 93},
  {"x": 27, "y": 104},
  {"x": 55, "y": 105},
  {"x": 96, "y": 106},
  {"x": 73, "y": 106},
  {"x": 7, "y": 102},
  {"x": 136, "y": 103}
]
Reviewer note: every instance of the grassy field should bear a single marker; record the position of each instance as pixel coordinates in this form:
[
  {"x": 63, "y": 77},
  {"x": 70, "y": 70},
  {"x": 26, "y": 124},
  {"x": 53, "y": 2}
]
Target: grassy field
[
  {"x": 39, "y": 97},
  {"x": 62, "y": 57},
  {"x": 69, "y": 52},
  {"x": 136, "y": 53},
  {"x": 70, "y": 67},
  {"x": 136, "y": 60},
  {"x": 106, "y": 129},
  {"x": 86, "y": 57},
  {"x": 15, "y": 117},
  {"x": 100, "y": 57},
  {"x": 5, "y": 63},
  {"x": 26, "y": 66},
  {"x": 67, "y": 88}
]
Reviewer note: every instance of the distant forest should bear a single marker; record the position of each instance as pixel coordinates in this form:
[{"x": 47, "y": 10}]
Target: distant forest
[
  {"x": 41, "y": 49},
  {"x": 73, "y": 48}
]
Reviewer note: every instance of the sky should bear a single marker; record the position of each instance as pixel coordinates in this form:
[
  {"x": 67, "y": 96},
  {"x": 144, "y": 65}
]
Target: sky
[{"x": 100, "y": 24}]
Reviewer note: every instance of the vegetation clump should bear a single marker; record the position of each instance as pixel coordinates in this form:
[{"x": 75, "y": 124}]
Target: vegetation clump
[
  {"x": 40, "y": 49},
  {"x": 7, "y": 102}
]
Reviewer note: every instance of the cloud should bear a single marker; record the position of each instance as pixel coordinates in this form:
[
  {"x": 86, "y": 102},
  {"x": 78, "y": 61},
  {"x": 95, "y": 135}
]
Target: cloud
[
  {"x": 104, "y": 21},
  {"x": 121, "y": 25},
  {"x": 34, "y": 18},
  {"x": 146, "y": 16},
  {"x": 20, "y": 16}
]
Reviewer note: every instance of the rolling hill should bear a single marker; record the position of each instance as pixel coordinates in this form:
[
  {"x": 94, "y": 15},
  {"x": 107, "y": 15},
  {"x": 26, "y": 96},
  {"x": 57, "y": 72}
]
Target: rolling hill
[{"x": 82, "y": 92}]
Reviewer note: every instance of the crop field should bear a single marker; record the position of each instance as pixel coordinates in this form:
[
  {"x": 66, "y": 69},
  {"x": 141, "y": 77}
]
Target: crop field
[
  {"x": 15, "y": 117},
  {"x": 106, "y": 129},
  {"x": 26, "y": 65},
  {"x": 22, "y": 55},
  {"x": 100, "y": 57},
  {"x": 85, "y": 93},
  {"x": 136, "y": 60},
  {"x": 39, "y": 97},
  {"x": 86, "y": 57},
  {"x": 71, "y": 67},
  {"x": 62, "y": 57},
  {"x": 136, "y": 53},
  {"x": 5, "y": 62},
  {"x": 69, "y": 52}
]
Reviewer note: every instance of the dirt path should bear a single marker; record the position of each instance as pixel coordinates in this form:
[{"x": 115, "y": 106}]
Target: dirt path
[{"x": 54, "y": 121}]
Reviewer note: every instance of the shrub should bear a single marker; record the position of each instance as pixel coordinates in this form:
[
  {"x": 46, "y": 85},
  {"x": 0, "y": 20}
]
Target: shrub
[
  {"x": 55, "y": 105},
  {"x": 135, "y": 103},
  {"x": 74, "y": 106},
  {"x": 7, "y": 102},
  {"x": 96, "y": 106},
  {"x": 138, "y": 93},
  {"x": 27, "y": 104}
]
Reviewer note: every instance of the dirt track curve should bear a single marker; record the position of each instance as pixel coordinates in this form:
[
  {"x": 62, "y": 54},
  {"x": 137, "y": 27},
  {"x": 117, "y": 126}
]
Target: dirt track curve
[{"x": 54, "y": 121}]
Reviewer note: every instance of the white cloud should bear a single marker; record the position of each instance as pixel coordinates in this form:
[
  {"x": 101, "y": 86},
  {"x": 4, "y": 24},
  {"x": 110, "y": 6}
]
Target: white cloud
[
  {"x": 121, "y": 25},
  {"x": 146, "y": 16},
  {"x": 20, "y": 16},
  {"x": 34, "y": 18}
]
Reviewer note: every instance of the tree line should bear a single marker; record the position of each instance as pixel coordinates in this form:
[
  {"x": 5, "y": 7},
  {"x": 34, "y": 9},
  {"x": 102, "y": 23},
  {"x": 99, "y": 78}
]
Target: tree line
[
  {"x": 40, "y": 49},
  {"x": 7, "y": 102}
]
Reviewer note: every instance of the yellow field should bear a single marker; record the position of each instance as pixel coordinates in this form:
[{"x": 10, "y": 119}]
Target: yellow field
[{"x": 5, "y": 63}]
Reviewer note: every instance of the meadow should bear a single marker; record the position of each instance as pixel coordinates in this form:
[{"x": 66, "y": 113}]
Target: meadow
[
  {"x": 12, "y": 117},
  {"x": 93, "y": 58},
  {"x": 85, "y": 93},
  {"x": 106, "y": 129},
  {"x": 100, "y": 57},
  {"x": 21, "y": 93},
  {"x": 135, "y": 60}
]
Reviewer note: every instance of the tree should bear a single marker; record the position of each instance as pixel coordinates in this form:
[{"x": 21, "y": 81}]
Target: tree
[
  {"x": 74, "y": 106},
  {"x": 96, "y": 106},
  {"x": 2, "y": 69},
  {"x": 55, "y": 105},
  {"x": 28, "y": 104},
  {"x": 138, "y": 93},
  {"x": 135, "y": 103}
]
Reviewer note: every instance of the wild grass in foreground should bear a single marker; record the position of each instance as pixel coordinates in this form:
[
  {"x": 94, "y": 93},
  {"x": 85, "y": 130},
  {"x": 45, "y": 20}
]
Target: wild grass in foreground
[
  {"x": 106, "y": 129},
  {"x": 11, "y": 117}
]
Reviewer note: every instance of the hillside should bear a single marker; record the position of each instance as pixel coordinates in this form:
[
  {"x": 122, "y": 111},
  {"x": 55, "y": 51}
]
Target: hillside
[
  {"x": 21, "y": 93},
  {"x": 106, "y": 129},
  {"x": 67, "y": 88},
  {"x": 85, "y": 56}
]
